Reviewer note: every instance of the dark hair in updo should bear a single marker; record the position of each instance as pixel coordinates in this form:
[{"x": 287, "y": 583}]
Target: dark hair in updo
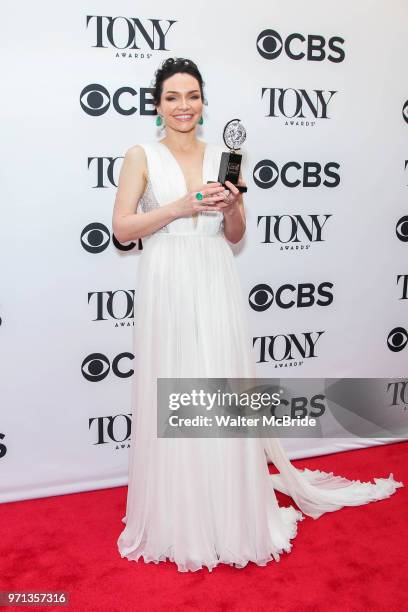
[{"x": 170, "y": 66}]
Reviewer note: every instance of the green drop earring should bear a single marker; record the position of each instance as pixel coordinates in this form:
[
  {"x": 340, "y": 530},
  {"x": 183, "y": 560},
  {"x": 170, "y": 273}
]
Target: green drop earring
[
  {"x": 201, "y": 120},
  {"x": 159, "y": 120}
]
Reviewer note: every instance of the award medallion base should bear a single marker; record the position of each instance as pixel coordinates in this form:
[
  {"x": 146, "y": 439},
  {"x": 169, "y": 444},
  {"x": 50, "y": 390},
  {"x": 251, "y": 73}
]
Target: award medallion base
[{"x": 230, "y": 167}]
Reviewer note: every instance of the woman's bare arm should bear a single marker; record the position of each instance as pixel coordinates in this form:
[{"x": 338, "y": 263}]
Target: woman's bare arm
[{"x": 235, "y": 219}]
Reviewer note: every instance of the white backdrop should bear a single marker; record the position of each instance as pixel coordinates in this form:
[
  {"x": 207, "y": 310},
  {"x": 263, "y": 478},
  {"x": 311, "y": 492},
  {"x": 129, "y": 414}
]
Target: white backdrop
[{"x": 75, "y": 98}]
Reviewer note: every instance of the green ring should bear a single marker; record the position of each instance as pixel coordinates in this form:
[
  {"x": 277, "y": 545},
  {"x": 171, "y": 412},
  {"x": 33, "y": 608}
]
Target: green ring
[{"x": 199, "y": 195}]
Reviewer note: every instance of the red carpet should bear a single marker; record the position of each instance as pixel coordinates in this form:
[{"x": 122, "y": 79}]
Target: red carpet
[{"x": 354, "y": 559}]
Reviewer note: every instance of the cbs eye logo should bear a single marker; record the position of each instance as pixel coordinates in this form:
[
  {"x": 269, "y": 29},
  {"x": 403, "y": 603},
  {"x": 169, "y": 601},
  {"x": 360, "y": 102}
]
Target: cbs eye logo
[
  {"x": 405, "y": 112},
  {"x": 96, "y": 366},
  {"x": 402, "y": 229},
  {"x": 397, "y": 339},
  {"x": 296, "y": 46},
  {"x": 96, "y": 237},
  {"x": 266, "y": 174}
]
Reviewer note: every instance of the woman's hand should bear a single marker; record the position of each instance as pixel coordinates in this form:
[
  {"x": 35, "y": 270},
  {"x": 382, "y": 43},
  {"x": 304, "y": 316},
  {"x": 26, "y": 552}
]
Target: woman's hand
[
  {"x": 186, "y": 206},
  {"x": 231, "y": 197}
]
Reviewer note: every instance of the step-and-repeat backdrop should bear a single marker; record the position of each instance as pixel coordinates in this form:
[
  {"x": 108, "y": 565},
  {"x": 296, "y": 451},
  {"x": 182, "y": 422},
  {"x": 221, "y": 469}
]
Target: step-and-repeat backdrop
[{"x": 323, "y": 94}]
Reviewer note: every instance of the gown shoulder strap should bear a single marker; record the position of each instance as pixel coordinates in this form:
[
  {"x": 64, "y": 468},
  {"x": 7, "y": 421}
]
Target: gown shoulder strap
[
  {"x": 151, "y": 157},
  {"x": 167, "y": 184}
]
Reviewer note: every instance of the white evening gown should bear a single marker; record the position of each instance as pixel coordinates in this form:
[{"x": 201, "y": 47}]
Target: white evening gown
[{"x": 201, "y": 502}]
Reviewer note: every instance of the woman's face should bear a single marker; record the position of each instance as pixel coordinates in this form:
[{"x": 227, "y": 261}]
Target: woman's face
[{"x": 181, "y": 104}]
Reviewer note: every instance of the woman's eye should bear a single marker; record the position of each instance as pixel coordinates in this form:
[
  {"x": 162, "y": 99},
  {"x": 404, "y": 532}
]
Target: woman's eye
[{"x": 194, "y": 98}]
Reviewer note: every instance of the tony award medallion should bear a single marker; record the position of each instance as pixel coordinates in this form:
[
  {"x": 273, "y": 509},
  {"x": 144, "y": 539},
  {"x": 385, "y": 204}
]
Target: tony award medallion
[{"x": 234, "y": 136}]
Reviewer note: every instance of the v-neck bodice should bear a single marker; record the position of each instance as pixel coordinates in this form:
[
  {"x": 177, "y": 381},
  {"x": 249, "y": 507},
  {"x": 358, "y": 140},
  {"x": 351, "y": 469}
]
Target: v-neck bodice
[
  {"x": 179, "y": 166},
  {"x": 183, "y": 176},
  {"x": 166, "y": 183}
]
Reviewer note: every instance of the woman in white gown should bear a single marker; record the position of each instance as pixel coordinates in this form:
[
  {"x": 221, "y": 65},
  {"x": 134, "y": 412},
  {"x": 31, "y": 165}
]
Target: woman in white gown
[{"x": 200, "y": 501}]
